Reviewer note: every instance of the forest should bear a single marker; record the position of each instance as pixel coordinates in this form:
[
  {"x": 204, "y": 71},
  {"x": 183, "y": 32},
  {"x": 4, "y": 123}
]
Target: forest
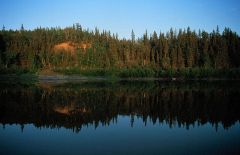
[{"x": 75, "y": 50}]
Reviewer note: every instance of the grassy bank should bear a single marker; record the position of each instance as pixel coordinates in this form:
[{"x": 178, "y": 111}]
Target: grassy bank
[
  {"x": 139, "y": 72},
  {"x": 17, "y": 75},
  {"x": 14, "y": 79},
  {"x": 133, "y": 72},
  {"x": 16, "y": 70}
]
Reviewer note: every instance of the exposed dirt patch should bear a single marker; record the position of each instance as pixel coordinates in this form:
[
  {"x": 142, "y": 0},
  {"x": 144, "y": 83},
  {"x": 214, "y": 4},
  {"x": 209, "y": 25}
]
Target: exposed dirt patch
[
  {"x": 70, "y": 47},
  {"x": 65, "y": 47}
]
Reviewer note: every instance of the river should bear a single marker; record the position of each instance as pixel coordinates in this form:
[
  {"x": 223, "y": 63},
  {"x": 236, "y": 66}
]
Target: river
[{"x": 125, "y": 117}]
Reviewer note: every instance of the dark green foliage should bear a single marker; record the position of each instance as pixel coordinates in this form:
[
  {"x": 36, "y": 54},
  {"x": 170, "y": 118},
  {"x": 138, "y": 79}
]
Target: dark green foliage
[
  {"x": 17, "y": 70},
  {"x": 149, "y": 72},
  {"x": 85, "y": 72},
  {"x": 182, "y": 53},
  {"x": 136, "y": 72}
]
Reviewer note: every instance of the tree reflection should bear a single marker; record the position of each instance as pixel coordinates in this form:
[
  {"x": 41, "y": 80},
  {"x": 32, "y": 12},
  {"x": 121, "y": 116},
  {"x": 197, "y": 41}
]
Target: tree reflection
[{"x": 76, "y": 105}]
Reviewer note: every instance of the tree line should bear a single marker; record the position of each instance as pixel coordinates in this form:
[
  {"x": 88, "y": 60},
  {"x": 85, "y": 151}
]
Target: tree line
[{"x": 175, "y": 49}]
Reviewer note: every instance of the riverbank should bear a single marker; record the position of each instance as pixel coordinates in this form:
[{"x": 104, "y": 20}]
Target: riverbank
[
  {"x": 125, "y": 74},
  {"x": 29, "y": 79},
  {"x": 153, "y": 73}
]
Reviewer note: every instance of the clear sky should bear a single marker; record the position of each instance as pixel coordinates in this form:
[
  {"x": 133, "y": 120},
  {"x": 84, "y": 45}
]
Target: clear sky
[{"x": 122, "y": 15}]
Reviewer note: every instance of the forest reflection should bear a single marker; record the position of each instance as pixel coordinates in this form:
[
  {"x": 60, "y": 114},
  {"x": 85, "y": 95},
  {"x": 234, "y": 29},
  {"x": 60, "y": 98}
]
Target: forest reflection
[{"x": 74, "y": 105}]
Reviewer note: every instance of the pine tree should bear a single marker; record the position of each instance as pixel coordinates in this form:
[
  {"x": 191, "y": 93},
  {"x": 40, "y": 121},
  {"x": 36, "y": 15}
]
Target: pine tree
[
  {"x": 3, "y": 28},
  {"x": 22, "y": 28},
  {"x": 133, "y": 37}
]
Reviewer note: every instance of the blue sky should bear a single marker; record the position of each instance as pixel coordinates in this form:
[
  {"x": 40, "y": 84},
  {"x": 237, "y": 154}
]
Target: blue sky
[{"x": 122, "y": 16}]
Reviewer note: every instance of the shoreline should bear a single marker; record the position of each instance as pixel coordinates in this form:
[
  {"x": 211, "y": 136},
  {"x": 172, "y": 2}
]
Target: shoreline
[
  {"x": 60, "y": 78},
  {"x": 103, "y": 78}
]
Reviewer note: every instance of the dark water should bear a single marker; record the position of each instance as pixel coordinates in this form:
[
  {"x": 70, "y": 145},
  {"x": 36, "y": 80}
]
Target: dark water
[{"x": 120, "y": 118}]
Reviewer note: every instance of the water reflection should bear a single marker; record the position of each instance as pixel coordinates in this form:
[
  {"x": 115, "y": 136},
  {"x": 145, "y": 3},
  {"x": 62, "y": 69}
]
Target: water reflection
[{"x": 74, "y": 105}]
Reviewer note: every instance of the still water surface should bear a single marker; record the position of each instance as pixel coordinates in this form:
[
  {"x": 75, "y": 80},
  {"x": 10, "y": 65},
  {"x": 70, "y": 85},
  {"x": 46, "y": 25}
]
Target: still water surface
[{"x": 120, "y": 118}]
